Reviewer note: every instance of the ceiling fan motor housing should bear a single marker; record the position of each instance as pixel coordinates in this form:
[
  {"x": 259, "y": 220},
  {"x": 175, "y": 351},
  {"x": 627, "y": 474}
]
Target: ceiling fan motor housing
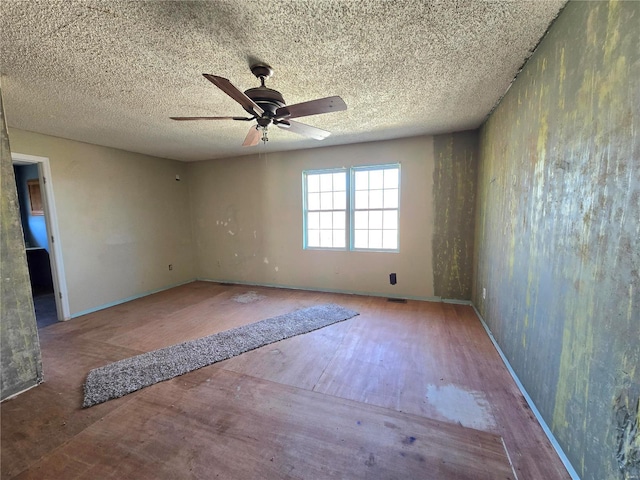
[{"x": 266, "y": 98}]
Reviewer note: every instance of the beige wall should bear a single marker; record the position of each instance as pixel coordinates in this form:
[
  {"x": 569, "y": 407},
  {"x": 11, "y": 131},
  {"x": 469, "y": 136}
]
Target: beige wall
[
  {"x": 123, "y": 219},
  {"x": 247, "y": 221}
]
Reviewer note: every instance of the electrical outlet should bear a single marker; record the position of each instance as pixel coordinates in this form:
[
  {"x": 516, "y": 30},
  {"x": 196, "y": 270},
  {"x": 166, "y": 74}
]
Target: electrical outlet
[
  {"x": 170, "y": 266},
  {"x": 484, "y": 293}
]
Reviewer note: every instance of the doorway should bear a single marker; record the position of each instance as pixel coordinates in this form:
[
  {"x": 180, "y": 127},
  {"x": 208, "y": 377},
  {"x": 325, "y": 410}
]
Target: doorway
[{"x": 42, "y": 239}]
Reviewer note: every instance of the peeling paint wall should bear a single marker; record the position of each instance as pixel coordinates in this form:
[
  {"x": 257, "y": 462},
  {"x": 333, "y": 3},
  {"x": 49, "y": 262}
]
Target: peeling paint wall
[
  {"x": 247, "y": 221},
  {"x": 454, "y": 197},
  {"x": 558, "y": 233},
  {"x": 20, "y": 360}
]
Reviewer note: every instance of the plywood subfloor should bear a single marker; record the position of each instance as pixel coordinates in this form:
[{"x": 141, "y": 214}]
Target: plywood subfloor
[{"x": 411, "y": 390}]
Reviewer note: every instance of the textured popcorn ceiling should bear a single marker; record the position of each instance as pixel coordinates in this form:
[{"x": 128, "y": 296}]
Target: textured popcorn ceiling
[{"x": 112, "y": 72}]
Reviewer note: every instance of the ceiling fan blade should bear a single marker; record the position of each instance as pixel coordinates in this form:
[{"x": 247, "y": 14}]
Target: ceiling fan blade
[
  {"x": 303, "y": 129},
  {"x": 211, "y": 118},
  {"x": 252, "y": 138},
  {"x": 227, "y": 87},
  {"x": 312, "y": 107}
]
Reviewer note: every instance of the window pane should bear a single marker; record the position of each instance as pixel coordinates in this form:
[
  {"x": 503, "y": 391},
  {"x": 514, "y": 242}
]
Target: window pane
[
  {"x": 391, "y": 178},
  {"x": 313, "y": 220},
  {"x": 390, "y": 239},
  {"x": 362, "y": 200},
  {"x": 390, "y": 220},
  {"x": 375, "y": 219},
  {"x": 360, "y": 239},
  {"x": 375, "y": 179},
  {"x": 363, "y": 214},
  {"x": 361, "y": 220},
  {"x": 313, "y": 202},
  {"x": 326, "y": 220},
  {"x": 313, "y": 183},
  {"x": 313, "y": 238},
  {"x": 326, "y": 238},
  {"x": 326, "y": 182},
  {"x": 326, "y": 201},
  {"x": 375, "y": 199},
  {"x": 391, "y": 198},
  {"x": 375, "y": 238},
  {"x": 362, "y": 180}
]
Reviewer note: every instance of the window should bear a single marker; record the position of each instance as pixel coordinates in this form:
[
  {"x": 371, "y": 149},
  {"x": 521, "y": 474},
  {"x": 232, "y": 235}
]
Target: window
[
  {"x": 375, "y": 208},
  {"x": 326, "y": 209},
  {"x": 355, "y": 208}
]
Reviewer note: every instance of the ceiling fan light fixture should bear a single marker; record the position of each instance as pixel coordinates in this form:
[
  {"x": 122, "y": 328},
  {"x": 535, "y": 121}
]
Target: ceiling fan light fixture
[{"x": 267, "y": 106}]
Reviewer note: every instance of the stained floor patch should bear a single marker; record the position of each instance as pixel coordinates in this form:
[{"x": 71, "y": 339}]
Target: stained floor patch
[
  {"x": 469, "y": 408},
  {"x": 248, "y": 297}
]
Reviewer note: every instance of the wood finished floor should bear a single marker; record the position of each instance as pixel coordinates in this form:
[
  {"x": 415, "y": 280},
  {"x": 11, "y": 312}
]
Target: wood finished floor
[{"x": 411, "y": 390}]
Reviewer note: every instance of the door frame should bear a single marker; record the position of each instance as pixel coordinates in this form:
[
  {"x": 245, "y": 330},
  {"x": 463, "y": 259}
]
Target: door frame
[{"x": 51, "y": 221}]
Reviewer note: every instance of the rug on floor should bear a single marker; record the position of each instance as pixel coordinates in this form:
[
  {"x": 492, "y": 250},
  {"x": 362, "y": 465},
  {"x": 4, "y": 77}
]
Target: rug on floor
[{"x": 130, "y": 374}]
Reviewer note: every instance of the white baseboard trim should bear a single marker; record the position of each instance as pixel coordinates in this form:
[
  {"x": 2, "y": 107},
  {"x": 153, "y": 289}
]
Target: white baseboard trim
[
  {"x": 457, "y": 302},
  {"x": 22, "y": 391},
  {"x": 563, "y": 457},
  {"x": 328, "y": 290},
  {"x": 269, "y": 285},
  {"x": 128, "y": 299}
]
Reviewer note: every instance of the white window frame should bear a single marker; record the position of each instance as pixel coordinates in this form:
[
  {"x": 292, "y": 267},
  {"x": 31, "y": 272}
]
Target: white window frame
[
  {"x": 353, "y": 210},
  {"x": 306, "y": 211},
  {"x": 349, "y": 209}
]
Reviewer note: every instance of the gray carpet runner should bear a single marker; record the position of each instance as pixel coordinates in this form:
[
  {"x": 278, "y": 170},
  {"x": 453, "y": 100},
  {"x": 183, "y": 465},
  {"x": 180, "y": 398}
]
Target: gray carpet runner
[{"x": 130, "y": 374}]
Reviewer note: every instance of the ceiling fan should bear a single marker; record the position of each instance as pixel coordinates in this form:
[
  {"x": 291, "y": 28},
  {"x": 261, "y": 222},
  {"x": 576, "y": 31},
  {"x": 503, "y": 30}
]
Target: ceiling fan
[{"x": 267, "y": 106}]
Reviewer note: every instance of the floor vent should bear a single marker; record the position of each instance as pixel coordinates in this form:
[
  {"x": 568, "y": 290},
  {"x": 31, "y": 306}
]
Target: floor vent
[
  {"x": 227, "y": 284},
  {"x": 397, "y": 300}
]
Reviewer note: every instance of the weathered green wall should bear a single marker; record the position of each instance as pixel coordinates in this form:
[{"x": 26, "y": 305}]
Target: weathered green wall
[
  {"x": 20, "y": 362},
  {"x": 454, "y": 198},
  {"x": 558, "y": 230}
]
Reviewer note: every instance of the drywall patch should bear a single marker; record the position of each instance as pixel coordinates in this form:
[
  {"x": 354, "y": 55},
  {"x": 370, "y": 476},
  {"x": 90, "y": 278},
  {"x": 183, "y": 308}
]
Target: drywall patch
[
  {"x": 469, "y": 408},
  {"x": 248, "y": 297},
  {"x": 626, "y": 411}
]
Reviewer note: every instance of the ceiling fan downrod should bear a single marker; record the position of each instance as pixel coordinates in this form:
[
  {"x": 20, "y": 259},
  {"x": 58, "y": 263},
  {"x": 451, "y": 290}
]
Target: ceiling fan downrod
[{"x": 261, "y": 71}]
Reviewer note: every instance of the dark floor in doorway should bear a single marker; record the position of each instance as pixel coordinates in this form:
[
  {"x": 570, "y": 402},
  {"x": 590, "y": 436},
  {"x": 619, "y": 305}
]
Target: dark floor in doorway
[{"x": 45, "y": 306}]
